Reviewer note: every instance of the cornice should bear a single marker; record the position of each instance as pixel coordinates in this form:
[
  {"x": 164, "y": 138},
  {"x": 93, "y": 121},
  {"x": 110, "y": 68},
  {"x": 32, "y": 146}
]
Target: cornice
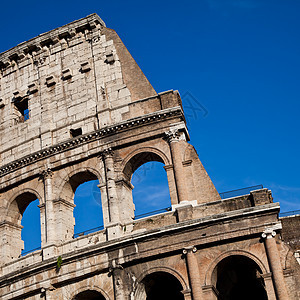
[{"x": 89, "y": 137}]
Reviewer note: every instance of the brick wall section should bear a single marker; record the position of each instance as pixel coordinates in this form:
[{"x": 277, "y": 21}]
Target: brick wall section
[
  {"x": 134, "y": 78},
  {"x": 291, "y": 231}
]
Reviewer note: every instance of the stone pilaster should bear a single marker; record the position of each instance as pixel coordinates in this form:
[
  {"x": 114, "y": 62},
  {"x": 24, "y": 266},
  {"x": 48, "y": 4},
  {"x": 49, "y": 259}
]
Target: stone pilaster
[
  {"x": 112, "y": 203},
  {"x": 173, "y": 137},
  {"x": 193, "y": 272},
  {"x": 50, "y": 232},
  {"x": 117, "y": 272},
  {"x": 274, "y": 261}
]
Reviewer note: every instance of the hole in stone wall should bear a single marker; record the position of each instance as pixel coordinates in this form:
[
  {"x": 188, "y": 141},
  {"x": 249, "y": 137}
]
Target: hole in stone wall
[
  {"x": 88, "y": 211},
  {"x": 151, "y": 191},
  {"x": 31, "y": 232},
  {"x": 75, "y": 132},
  {"x": 21, "y": 106}
]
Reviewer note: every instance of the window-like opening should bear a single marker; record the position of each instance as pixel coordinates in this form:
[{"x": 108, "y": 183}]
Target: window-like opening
[
  {"x": 89, "y": 295},
  {"x": 31, "y": 232},
  {"x": 75, "y": 132},
  {"x": 151, "y": 191},
  {"x": 24, "y": 211},
  {"x": 161, "y": 286},
  {"x": 238, "y": 277},
  {"x": 88, "y": 210},
  {"x": 21, "y": 105}
]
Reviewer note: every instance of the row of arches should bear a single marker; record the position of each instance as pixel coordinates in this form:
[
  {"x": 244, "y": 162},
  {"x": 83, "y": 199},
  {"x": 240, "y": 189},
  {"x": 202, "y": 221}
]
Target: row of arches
[
  {"x": 150, "y": 193},
  {"x": 235, "y": 277}
]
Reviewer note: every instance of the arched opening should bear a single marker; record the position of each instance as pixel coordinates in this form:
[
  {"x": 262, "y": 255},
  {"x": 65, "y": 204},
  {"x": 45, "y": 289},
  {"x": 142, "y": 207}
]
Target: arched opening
[
  {"x": 160, "y": 286},
  {"x": 25, "y": 234},
  {"x": 89, "y": 295},
  {"x": 150, "y": 193},
  {"x": 238, "y": 277},
  {"x": 82, "y": 210},
  {"x": 31, "y": 232},
  {"x": 88, "y": 210}
]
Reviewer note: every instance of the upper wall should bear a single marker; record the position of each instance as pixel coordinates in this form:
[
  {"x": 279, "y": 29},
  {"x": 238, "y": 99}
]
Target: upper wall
[{"x": 74, "y": 79}]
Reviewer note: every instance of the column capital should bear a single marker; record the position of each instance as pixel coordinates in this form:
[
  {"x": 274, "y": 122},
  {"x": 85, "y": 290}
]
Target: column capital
[
  {"x": 191, "y": 249},
  {"x": 46, "y": 174},
  {"x": 108, "y": 152},
  {"x": 172, "y": 135},
  {"x": 270, "y": 232}
]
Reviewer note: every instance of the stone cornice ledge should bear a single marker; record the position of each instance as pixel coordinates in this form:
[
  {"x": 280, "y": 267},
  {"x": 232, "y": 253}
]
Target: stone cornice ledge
[{"x": 89, "y": 137}]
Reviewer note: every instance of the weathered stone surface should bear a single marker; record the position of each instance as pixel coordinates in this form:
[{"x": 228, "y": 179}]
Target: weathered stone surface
[{"x": 94, "y": 115}]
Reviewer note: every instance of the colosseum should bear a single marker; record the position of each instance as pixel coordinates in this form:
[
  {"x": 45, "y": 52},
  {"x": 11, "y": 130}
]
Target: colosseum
[{"x": 76, "y": 107}]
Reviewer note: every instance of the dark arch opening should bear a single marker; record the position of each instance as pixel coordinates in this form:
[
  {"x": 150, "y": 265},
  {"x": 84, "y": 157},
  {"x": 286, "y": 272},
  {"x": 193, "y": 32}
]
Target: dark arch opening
[
  {"x": 89, "y": 295},
  {"x": 238, "y": 277},
  {"x": 162, "y": 286},
  {"x": 87, "y": 198}
]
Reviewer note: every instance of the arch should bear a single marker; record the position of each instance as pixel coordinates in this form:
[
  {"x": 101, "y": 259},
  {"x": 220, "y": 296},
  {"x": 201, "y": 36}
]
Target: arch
[
  {"x": 74, "y": 179},
  {"x": 151, "y": 282},
  {"x": 141, "y": 156},
  {"x": 16, "y": 208},
  {"x": 173, "y": 272},
  {"x": 19, "y": 202},
  {"x": 211, "y": 268},
  {"x": 97, "y": 291},
  {"x": 65, "y": 198}
]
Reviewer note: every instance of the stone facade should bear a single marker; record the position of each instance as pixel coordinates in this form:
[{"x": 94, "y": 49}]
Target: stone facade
[{"x": 75, "y": 107}]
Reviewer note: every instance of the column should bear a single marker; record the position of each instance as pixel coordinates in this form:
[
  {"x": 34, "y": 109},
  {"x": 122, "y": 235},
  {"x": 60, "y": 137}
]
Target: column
[
  {"x": 111, "y": 190},
  {"x": 193, "y": 272},
  {"x": 117, "y": 272},
  {"x": 275, "y": 265},
  {"x": 173, "y": 137},
  {"x": 46, "y": 176}
]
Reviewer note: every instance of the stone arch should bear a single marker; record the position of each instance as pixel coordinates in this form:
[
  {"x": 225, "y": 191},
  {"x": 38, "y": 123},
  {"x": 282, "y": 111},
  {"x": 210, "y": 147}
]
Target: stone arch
[
  {"x": 19, "y": 202},
  {"x": 16, "y": 207},
  {"x": 64, "y": 202},
  {"x": 129, "y": 165},
  {"x": 139, "y": 289},
  {"x": 237, "y": 274},
  {"x": 141, "y": 156},
  {"x": 84, "y": 289},
  {"x": 74, "y": 178},
  {"x": 212, "y": 266}
]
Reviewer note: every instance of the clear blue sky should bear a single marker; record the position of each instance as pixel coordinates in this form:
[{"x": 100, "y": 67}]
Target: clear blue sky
[{"x": 238, "y": 60}]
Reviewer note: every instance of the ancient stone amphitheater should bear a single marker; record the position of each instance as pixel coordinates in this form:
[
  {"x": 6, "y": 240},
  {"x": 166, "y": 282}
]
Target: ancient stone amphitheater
[{"x": 76, "y": 107}]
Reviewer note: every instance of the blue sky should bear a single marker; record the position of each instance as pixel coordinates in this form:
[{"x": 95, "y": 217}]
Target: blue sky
[{"x": 236, "y": 63}]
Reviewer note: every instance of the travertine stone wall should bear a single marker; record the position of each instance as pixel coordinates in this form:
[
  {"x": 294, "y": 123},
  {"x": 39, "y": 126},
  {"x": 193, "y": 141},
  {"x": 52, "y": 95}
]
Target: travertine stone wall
[
  {"x": 93, "y": 115},
  {"x": 73, "y": 78}
]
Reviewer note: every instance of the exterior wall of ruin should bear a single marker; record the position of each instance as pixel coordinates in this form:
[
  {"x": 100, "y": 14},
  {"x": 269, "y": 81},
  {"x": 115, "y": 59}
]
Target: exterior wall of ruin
[{"x": 81, "y": 76}]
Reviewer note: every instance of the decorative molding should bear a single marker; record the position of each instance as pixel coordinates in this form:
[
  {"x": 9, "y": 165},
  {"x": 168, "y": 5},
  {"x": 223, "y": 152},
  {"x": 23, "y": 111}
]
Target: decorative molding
[{"x": 87, "y": 138}]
